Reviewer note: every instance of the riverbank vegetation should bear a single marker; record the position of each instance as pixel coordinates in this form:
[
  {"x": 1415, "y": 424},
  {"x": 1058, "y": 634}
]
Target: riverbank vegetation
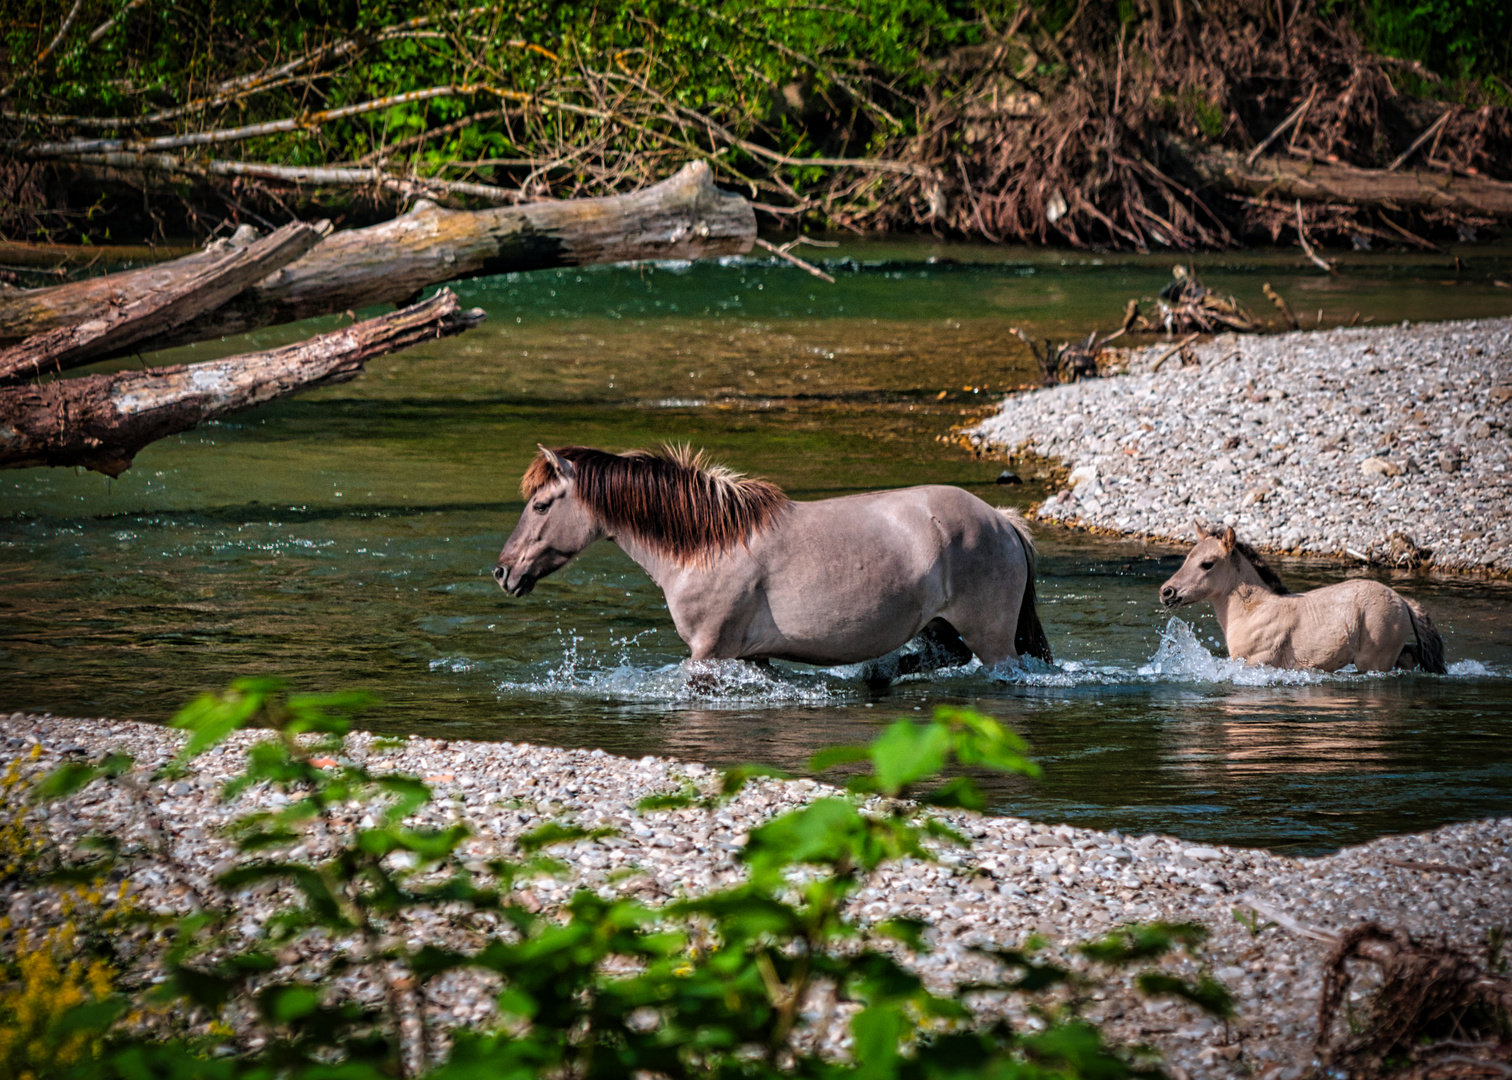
[
  {"x": 316, "y": 949},
  {"x": 1149, "y": 123}
]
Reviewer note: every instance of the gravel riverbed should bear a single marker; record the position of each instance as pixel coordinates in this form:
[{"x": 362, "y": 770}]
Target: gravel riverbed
[
  {"x": 1321, "y": 442},
  {"x": 1017, "y": 878}
]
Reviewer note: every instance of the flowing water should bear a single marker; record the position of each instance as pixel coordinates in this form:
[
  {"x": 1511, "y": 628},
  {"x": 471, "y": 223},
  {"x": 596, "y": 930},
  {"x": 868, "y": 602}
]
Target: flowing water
[{"x": 344, "y": 539}]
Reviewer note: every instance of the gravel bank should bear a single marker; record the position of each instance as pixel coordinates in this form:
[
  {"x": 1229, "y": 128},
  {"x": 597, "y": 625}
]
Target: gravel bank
[
  {"x": 1018, "y": 878},
  {"x": 1319, "y": 442}
]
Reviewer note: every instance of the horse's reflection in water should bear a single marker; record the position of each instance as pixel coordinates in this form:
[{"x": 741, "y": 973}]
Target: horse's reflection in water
[{"x": 750, "y": 574}]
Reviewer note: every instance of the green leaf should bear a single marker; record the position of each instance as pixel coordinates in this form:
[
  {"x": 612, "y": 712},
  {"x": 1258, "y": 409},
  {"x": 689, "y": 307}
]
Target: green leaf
[
  {"x": 285, "y": 1004},
  {"x": 831, "y": 756},
  {"x": 65, "y": 780},
  {"x": 92, "y": 1016},
  {"x": 210, "y": 718},
  {"x": 680, "y": 801},
  {"x": 736, "y": 777},
  {"x": 1142, "y": 941},
  {"x": 877, "y": 1031},
  {"x": 552, "y": 832},
  {"x": 907, "y": 930},
  {"x": 959, "y": 791},
  {"x": 908, "y": 752},
  {"x": 1207, "y": 993}
]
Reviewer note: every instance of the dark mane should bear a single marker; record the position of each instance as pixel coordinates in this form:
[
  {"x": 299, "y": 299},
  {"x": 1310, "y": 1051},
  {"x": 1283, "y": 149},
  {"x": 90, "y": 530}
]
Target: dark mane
[
  {"x": 672, "y": 500},
  {"x": 1267, "y": 575}
]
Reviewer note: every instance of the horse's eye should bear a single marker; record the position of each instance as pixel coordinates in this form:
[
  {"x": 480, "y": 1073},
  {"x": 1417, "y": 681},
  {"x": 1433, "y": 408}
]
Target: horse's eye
[
  {"x": 541, "y": 507},
  {"x": 1207, "y": 565}
]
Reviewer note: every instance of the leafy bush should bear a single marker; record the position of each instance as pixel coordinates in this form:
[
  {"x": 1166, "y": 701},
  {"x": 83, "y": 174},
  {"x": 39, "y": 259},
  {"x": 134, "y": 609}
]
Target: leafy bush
[{"x": 711, "y": 986}]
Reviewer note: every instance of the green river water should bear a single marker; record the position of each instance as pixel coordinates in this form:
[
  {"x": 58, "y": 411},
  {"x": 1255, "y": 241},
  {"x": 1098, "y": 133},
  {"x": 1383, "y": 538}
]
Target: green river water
[{"x": 343, "y": 539}]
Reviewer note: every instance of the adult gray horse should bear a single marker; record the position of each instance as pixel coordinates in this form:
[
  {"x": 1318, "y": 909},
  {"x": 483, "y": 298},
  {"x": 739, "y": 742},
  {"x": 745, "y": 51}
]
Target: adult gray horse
[
  {"x": 1359, "y": 622},
  {"x": 750, "y": 574}
]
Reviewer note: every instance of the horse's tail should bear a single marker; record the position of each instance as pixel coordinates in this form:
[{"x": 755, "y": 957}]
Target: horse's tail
[
  {"x": 1029, "y": 636},
  {"x": 1430, "y": 646}
]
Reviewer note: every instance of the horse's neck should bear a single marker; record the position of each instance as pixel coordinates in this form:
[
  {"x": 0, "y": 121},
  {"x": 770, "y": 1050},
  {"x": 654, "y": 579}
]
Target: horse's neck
[
  {"x": 1247, "y": 595},
  {"x": 656, "y": 565}
]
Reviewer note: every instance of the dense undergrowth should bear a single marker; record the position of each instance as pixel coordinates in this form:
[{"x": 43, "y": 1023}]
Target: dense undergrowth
[
  {"x": 1047, "y": 121},
  {"x": 718, "y": 985}
]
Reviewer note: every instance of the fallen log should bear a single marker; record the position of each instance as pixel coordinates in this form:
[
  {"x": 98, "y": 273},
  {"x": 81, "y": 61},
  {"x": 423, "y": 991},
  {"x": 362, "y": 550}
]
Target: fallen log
[
  {"x": 683, "y": 217},
  {"x": 212, "y": 281},
  {"x": 1324, "y": 181},
  {"x": 102, "y": 421}
]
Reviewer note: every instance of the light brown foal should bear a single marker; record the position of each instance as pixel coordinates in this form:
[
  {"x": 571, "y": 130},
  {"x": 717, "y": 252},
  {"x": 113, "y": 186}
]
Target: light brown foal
[{"x": 1359, "y": 622}]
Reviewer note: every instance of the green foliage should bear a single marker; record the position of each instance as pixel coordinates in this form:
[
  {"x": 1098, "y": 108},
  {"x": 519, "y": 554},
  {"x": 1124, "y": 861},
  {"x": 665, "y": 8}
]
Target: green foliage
[
  {"x": 711, "y": 986},
  {"x": 1458, "y": 39}
]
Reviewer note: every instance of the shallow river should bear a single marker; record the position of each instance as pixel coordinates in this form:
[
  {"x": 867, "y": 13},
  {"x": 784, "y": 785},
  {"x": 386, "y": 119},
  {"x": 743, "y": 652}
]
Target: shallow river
[{"x": 344, "y": 539}]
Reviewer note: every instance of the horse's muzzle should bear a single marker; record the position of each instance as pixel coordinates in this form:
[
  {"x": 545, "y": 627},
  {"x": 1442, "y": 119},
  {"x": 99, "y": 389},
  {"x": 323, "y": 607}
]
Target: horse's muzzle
[
  {"x": 1169, "y": 597},
  {"x": 521, "y": 586}
]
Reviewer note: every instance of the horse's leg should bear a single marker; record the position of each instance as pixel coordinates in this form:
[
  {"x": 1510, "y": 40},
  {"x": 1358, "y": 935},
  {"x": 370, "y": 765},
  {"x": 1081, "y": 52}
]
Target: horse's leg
[
  {"x": 940, "y": 646},
  {"x": 932, "y": 648}
]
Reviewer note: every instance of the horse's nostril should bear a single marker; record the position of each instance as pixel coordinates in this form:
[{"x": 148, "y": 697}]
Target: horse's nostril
[{"x": 498, "y": 573}]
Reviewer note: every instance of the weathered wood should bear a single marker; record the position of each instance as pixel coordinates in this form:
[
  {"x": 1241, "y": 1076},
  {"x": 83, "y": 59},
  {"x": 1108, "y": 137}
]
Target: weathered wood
[
  {"x": 1322, "y": 181},
  {"x": 210, "y": 284},
  {"x": 101, "y": 421},
  {"x": 683, "y": 217}
]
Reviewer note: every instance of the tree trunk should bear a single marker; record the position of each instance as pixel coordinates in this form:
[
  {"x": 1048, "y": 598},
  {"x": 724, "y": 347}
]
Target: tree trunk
[
  {"x": 101, "y": 421},
  {"x": 683, "y": 217},
  {"x": 1321, "y": 181},
  {"x": 209, "y": 284}
]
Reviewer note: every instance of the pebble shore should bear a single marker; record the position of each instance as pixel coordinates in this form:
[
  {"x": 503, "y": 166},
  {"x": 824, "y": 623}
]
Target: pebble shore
[
  {"x": 1321, "y": 442},
  {"x": 1017, "y": 878}
]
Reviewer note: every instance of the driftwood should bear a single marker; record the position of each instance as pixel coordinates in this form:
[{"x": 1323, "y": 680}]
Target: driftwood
[
  {"x": 214, "y": 278},
  {"x": 683, "y": 217},
  {"x": 101, "y": 421},
  {"x": 1322, "y": 181}
]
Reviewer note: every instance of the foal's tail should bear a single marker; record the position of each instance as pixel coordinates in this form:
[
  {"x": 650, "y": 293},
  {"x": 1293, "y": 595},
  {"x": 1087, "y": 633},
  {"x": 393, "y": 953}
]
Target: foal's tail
[
  {"x": 1029, "y": 636},
  {"x": 1430, "y": 647}
]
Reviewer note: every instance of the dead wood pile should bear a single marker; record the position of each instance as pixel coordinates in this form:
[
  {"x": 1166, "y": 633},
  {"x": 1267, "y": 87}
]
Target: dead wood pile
[
  {"x": 1437, "y": 1012},
  {"x": 1192, "y": 130}
]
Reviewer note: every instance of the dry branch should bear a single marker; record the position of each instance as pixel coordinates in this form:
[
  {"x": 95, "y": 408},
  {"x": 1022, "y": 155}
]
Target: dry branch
[
  {"x": 102, "y": 421},
  {"x": 212, "y": 282},
  {"x": 683, "y": 217}
]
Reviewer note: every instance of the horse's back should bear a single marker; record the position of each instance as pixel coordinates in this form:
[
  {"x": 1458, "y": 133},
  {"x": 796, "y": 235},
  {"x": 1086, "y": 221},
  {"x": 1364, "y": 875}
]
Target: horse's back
[
  {"x": 1365, "y": 619},
  {"x": 847, "y": 579}
]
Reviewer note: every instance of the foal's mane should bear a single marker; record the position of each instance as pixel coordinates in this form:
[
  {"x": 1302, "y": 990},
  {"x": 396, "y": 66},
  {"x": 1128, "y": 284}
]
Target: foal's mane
[
  {"x": 672, "y": 500},
  {"x": 1267, "y": 575}
]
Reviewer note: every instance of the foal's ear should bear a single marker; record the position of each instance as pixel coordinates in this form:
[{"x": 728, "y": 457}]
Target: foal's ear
[
  {"x": 559, "y": 465},
  {"x": 1202, "y": 534},
  {"x": 1227, "y": 539}
]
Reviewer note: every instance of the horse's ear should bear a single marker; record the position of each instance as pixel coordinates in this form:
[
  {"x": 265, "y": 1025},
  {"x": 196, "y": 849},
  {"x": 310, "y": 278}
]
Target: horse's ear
[
  {"x": 1227, "y": 538},
  {"x": 1202, "y": 534},
  {"x": 559, "y": 465}
]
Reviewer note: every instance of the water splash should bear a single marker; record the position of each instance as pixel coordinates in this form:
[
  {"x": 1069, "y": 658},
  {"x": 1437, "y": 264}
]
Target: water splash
[
  {"x": 1182, "y": 658},
  {"x": 627, "y": 677},
  {"x": 628, "y": 673}
]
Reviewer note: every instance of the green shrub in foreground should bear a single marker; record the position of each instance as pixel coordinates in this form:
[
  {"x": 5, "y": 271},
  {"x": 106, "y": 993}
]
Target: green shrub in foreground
[{"x": 714, "y": 986}]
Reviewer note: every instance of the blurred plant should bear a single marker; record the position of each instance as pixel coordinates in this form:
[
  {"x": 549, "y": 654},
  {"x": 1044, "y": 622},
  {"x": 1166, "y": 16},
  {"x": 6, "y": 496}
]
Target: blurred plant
[{"x": 720, "y": 985}]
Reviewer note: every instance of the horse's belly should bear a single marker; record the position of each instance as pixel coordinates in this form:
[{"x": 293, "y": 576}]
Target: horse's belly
[{"x": 841, "y": 625}]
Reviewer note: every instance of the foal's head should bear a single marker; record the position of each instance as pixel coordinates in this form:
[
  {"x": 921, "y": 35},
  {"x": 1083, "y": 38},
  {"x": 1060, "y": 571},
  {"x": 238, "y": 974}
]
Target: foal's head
[
  {"x": 1218, "y": 565},
  {"x": 555, "y": 526},
  {"x": 1211, "y": 569}
]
